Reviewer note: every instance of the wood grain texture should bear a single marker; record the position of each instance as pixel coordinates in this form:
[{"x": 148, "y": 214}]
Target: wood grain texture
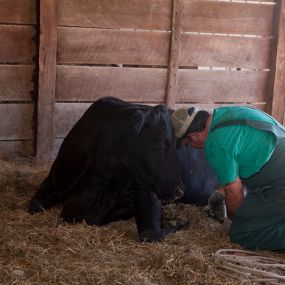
[
  {"x": 17, "y": 44},
  {"x": 14, "y": 149},
  {"x": 147, "y": 14},
  {"x": 277, "y": 86},
  {"x": 16, "y": 121},
  {"x": 225, "y": 51},
  {"x": 66, "y": 115},
  {"x": 83, "y": 83},
  {"x": 96, "y": 46},
  {"x": 18, "y": 11},
  {"x": 261, "y": 1},
  {"x": 209, "y": 86},
  {"x": 16, "y": 82},
  {"x": 227, "y": 17},
  {"x": 172, "y": 76},
  {"x": 56, "y": 145},
  {"x": 47, "y": 78},
  {"x": 209, "y": 107}
]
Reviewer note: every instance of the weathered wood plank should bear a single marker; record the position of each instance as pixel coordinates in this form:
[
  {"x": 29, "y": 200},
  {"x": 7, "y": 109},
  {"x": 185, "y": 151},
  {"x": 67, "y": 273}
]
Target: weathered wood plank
[
  {"x": 148, "y": 14},
  {"x": 277, "y": 86},
  {"x": 13, "y": 149},
  {"x": 222, "y": 86},
  {"x": 18, "y": 11},
  {"x": 172, "y": 77},
  {"x": 16, "y": 82},
  {"x": 96, "y": 46},
  {"x": 210, "y": 107},
  {"x": 261, "y": 1},
  {"x": 17, "y": 44},
  {"x": 47, "y": 78},
  {"x": 66, "y": 115},
  {"x": 16, "y": 121},
  {"x": 56, "y": 145},
  {"x": 85, "y": 83},
  {"x": 227, "y": 17},
  {"x": 225, "y": 51}
]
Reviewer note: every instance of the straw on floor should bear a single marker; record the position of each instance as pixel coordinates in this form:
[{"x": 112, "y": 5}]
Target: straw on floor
[{"x": 42, "y": 249}]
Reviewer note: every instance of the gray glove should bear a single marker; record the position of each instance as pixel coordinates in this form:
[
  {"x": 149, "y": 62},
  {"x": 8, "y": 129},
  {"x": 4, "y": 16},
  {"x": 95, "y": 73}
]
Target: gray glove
[{"x": 217, "y": 206}]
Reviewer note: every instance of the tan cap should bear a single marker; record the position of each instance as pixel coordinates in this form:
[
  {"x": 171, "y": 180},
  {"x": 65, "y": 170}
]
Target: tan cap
[{"x": 181, "y": 120}]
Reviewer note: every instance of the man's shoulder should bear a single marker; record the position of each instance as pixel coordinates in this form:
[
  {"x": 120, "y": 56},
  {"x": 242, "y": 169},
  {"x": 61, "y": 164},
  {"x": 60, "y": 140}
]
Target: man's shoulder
[{"x": 229, "y": 113}]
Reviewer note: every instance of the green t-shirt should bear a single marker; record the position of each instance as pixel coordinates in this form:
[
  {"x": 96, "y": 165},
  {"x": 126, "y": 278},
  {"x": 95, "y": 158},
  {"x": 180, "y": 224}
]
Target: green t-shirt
[{"x": 239, "y": 150}]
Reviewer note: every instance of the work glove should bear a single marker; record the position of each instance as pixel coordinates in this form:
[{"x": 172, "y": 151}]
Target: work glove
[{"x": 216, "y": 208}]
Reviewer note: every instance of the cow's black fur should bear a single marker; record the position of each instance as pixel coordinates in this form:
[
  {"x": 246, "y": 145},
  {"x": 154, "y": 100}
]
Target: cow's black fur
[{"x": 118, "y": 161}]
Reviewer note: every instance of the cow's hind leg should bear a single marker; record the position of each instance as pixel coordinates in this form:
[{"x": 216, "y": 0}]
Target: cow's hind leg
[
  {"x": 89, "y": 205},
  {"x": 45, "y": 198}
]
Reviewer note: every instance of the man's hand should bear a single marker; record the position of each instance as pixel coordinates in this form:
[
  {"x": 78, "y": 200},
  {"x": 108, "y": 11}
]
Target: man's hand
[
  {"x": 217, "y": 206},
  {"x": 225, "y": 201}
]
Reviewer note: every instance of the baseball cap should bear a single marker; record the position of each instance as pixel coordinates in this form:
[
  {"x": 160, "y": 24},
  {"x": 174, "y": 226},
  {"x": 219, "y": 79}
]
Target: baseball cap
[{"x": 182, "y": 119}]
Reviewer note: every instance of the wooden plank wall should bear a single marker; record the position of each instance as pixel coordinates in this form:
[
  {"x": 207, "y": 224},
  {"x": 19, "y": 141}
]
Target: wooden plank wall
[
  {"x": 47, "y": 78},
  {"x": 17, "y": 65},
  {"x": 276, "y": 88},
  {"x": 109, "y": 48},
  {"x": 230, "y": 43},
  {"x": 177, "y": 52}
]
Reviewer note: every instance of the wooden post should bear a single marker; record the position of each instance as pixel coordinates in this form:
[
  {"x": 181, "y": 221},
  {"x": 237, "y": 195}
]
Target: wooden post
[
  {"x": 172, "y": 76},
  {"x": 277, "y": 82},
  {"x": 47, "y": 77}
]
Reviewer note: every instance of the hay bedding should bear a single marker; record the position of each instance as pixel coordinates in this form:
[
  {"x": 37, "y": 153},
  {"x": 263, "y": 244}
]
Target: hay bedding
[{"x": 41, "y": 249}]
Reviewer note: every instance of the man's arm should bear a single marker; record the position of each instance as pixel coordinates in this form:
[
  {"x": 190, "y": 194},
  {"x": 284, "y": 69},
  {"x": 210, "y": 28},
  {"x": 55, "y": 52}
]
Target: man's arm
[{"x": 234, "y": 196}]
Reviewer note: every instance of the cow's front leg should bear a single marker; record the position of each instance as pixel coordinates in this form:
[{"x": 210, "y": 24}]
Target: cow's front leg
[
  {"x": 149, "y": 218},
  {"x": 148, "y": 214}
]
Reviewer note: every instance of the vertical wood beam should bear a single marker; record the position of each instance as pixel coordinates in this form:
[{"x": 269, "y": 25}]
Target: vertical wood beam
[
  {"x": 47, "y": 77},
  {"x": 172, "y": 76},
  {"x": 277, "y": 82}
]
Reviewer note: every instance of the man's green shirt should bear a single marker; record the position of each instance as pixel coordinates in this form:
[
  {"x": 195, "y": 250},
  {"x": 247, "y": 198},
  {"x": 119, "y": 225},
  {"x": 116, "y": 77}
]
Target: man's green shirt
[{"x": 239, "y": 150}]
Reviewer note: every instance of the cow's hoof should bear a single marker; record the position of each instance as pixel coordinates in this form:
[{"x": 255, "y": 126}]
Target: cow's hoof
[
  {"x": 35, "y": 207},
  {"x": 150, "y": 236},
  {"x": 71, "y": 217}
]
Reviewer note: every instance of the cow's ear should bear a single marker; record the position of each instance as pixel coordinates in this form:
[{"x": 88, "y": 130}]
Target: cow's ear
[{"x": 138, "y": 121}]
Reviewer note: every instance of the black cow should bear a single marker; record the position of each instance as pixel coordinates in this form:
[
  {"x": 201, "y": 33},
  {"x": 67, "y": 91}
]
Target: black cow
[{"x": 118, "y": 161}]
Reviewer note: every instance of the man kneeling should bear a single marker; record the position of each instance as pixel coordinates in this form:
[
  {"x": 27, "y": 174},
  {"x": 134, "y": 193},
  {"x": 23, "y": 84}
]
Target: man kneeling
[{"x": 245, "y": 147}]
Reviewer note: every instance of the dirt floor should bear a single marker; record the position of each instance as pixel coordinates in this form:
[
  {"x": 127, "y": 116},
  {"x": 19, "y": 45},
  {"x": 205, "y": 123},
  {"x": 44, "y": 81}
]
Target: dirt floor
[{"x": 42, "y": 249}]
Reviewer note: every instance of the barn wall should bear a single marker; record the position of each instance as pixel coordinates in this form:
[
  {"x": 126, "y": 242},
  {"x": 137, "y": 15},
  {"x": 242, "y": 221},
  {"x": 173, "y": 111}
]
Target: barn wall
[
  {"x": 17, "y": 64},
  {"x": 106, "y": 48},
  {"x": 177, "y": 52}
]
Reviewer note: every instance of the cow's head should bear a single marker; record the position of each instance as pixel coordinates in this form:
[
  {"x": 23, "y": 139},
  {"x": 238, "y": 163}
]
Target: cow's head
[{"x": 152, "y": 150}]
